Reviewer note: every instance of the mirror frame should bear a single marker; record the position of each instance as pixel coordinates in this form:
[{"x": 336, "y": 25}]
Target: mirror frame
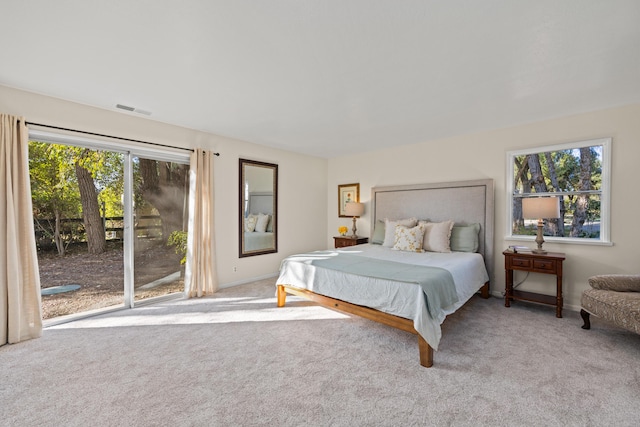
[{"x": 241, "y": 243}]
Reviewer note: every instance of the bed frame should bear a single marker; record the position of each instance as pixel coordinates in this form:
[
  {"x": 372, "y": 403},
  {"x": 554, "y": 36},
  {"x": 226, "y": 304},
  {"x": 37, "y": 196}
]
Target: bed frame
[{"x": 465, "y": 202}]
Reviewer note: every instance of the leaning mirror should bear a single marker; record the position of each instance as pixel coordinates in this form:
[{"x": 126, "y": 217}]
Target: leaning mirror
[{"x": 258, "y": 208}]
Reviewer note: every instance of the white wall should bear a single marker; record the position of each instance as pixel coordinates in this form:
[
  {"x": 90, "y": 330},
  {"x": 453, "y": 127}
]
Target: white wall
[
  {"x": 302, "y": 179},
  {"x": 308, "y": 185},
  {"x": 483, "y": 155}
]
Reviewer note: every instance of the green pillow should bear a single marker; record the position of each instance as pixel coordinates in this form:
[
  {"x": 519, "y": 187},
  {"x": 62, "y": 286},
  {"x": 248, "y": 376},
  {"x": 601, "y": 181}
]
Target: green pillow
[
  {"x": 378, "y": 233},
  {"x": 464, "y": 238}
]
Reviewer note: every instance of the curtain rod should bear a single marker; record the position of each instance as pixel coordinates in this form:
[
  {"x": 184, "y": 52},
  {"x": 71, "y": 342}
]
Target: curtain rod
[{"x": 110, "y": 136}]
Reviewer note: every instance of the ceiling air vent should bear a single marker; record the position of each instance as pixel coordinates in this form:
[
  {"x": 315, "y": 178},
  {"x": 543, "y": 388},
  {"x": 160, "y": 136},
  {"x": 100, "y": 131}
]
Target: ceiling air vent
[
  {"x": 133, "y": 109},
  {"x": 124, "y": 107}
]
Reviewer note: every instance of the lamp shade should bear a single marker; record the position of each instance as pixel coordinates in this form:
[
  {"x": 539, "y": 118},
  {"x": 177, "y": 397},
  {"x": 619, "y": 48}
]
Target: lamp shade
[
  {"x": 541, "y": 207},
  {"x": 354, "y": 209}
]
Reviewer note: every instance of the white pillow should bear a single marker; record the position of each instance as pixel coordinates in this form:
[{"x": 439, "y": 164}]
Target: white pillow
[
  {"x": 437, "y": 236},
  {"x": 261, "y": 223},
  {"x": 409, "y": 239},
  {"x": 250, "y": 223},
  {"x": 390, "y": 229}
]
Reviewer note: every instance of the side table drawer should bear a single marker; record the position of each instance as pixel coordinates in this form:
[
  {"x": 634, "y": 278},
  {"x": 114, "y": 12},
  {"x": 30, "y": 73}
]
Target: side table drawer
[
  {"x": 544, "y": 265},
  {"x": 341, "y": 243},
  {"x": 521, "y": 262}
]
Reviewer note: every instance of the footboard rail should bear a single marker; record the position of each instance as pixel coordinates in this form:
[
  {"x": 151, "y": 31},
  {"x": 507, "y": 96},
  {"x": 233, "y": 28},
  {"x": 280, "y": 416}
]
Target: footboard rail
[{"x": 426, "y": 352}]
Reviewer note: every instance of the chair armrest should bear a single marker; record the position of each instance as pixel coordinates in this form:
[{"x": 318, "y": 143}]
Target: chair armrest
[{"x": 616, "y": 282}]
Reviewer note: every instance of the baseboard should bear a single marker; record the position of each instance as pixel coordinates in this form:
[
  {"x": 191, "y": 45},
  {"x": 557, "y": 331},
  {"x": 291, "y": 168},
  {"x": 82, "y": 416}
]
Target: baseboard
[{"x": 245, "y": 281}]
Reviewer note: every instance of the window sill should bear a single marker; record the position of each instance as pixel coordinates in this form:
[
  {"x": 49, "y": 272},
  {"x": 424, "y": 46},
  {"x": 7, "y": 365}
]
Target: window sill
[{"x": 561, "y": 240}]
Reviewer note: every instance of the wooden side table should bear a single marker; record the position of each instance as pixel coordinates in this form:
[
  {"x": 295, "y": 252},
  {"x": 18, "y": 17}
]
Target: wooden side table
[
  {"x": 344, "y": 241},
  {"x": 549, "y": 263}
]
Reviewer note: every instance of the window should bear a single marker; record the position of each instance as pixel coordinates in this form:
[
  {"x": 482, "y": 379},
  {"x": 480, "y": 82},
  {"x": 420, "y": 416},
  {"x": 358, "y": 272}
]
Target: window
[
  {"x": 578, "y": 174},
  {"x": 114, "y": 208}
]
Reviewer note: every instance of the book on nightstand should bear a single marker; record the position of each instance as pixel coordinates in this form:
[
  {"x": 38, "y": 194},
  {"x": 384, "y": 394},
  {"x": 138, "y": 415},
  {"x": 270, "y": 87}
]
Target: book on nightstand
[{"x": 516, "y": 249}]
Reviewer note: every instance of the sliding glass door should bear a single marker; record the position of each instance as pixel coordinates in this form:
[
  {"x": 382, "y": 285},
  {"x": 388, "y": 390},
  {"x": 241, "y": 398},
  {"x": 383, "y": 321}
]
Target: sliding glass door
[
  {"x": 77, "y": 196},
  {"x": 160, "y": 224},
  {"x": 110, "y": 223}
]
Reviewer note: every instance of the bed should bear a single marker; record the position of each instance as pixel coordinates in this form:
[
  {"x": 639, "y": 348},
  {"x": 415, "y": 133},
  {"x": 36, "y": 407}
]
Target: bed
[
  {"x": 258, "y": 233},
  {"x": 404, "y": 289}
]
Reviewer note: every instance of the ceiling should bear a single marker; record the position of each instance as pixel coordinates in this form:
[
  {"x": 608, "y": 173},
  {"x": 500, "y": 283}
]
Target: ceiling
[{"x": 329, "y": 77}]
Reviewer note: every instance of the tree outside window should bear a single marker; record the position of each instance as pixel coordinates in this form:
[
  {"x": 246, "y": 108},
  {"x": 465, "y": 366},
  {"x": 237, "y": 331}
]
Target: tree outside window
[{"x": 576, "y": 173}]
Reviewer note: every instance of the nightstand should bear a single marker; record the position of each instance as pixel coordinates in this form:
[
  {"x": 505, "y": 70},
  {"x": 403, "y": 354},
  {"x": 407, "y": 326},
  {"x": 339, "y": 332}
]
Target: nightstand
[
  {"x": 549, "y": 263},
  {"x": 344, "y": 241}
]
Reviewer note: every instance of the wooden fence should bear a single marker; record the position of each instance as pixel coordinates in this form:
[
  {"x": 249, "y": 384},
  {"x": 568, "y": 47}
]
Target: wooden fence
[{"x": 72, "y": 229}]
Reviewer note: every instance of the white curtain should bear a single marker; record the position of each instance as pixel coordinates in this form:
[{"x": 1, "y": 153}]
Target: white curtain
[
  {"x": 200, "y": 272},
  {"x": 20, "y": 307}
]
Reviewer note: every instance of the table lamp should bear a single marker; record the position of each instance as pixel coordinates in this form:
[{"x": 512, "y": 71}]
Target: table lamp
[
  {"x": 539, "y": 208},
  {"x": 354, "y": 209}
]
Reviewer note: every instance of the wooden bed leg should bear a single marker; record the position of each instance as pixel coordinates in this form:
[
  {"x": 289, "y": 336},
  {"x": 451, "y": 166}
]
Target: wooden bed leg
[
  {"x": 426, "y": 352},
  {"x": 281, "y": 295},
  {"x": 585, "y": 319},
  {"x": 484, "y": 291}
]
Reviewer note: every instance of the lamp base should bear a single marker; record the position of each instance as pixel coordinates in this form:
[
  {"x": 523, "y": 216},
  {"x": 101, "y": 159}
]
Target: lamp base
[
  {"x": 539, "y": 239},
  {"x": 353, "y": 236}
]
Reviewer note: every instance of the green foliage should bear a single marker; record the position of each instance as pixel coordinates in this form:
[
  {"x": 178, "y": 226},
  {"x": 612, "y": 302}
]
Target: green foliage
[
  {"x": 106, "y": 168},
  {"x": 53, "y": 182},
  {"x": 562, "y": 172},
  {"x": 567, "y": 168},
  {"x": 178, "y": 239},
  {"x": 54, "y": 186},
  {"x": 56, "y": 194},
  {"x": 532, "y": 230}
]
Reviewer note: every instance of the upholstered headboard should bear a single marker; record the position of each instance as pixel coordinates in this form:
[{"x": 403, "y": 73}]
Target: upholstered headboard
[
  {"x": 464, "y": 202},
  {"x": 260, "y": 202}
]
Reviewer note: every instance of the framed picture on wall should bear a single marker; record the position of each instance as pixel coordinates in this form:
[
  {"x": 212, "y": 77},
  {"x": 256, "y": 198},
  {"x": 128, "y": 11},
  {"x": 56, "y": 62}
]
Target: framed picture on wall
[{"x": 347, "y": 193}]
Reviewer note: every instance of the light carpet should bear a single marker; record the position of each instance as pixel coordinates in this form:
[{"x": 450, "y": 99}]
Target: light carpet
[{"x": 235, "y": 359}]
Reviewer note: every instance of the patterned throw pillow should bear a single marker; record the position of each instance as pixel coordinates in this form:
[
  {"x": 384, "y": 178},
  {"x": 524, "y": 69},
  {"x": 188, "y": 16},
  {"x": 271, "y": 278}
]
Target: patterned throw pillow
[
  {"x": 390, "y": 227},
  {"x": 409, "y": 239},
  {"x": 250, "y": 223}
]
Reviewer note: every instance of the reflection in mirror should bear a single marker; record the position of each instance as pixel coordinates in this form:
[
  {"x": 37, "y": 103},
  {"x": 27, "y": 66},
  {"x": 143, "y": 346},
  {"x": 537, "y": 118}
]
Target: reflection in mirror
[{"x": 258, "y": 208}]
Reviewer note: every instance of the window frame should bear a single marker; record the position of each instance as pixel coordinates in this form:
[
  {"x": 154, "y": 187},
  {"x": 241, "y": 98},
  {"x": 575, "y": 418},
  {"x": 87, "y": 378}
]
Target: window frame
[
  {"x": 605, "y": 195},
  {"x": 129, "y": 150}
]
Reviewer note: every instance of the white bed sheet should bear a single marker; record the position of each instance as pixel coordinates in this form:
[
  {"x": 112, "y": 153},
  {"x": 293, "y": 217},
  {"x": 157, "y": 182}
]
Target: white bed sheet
[
  {"x": 398, "y": 298},
  {"x": 257, "y": 240}
]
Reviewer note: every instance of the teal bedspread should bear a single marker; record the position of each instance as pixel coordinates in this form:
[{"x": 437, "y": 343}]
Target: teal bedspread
[{"x": 437, "y": 283}]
